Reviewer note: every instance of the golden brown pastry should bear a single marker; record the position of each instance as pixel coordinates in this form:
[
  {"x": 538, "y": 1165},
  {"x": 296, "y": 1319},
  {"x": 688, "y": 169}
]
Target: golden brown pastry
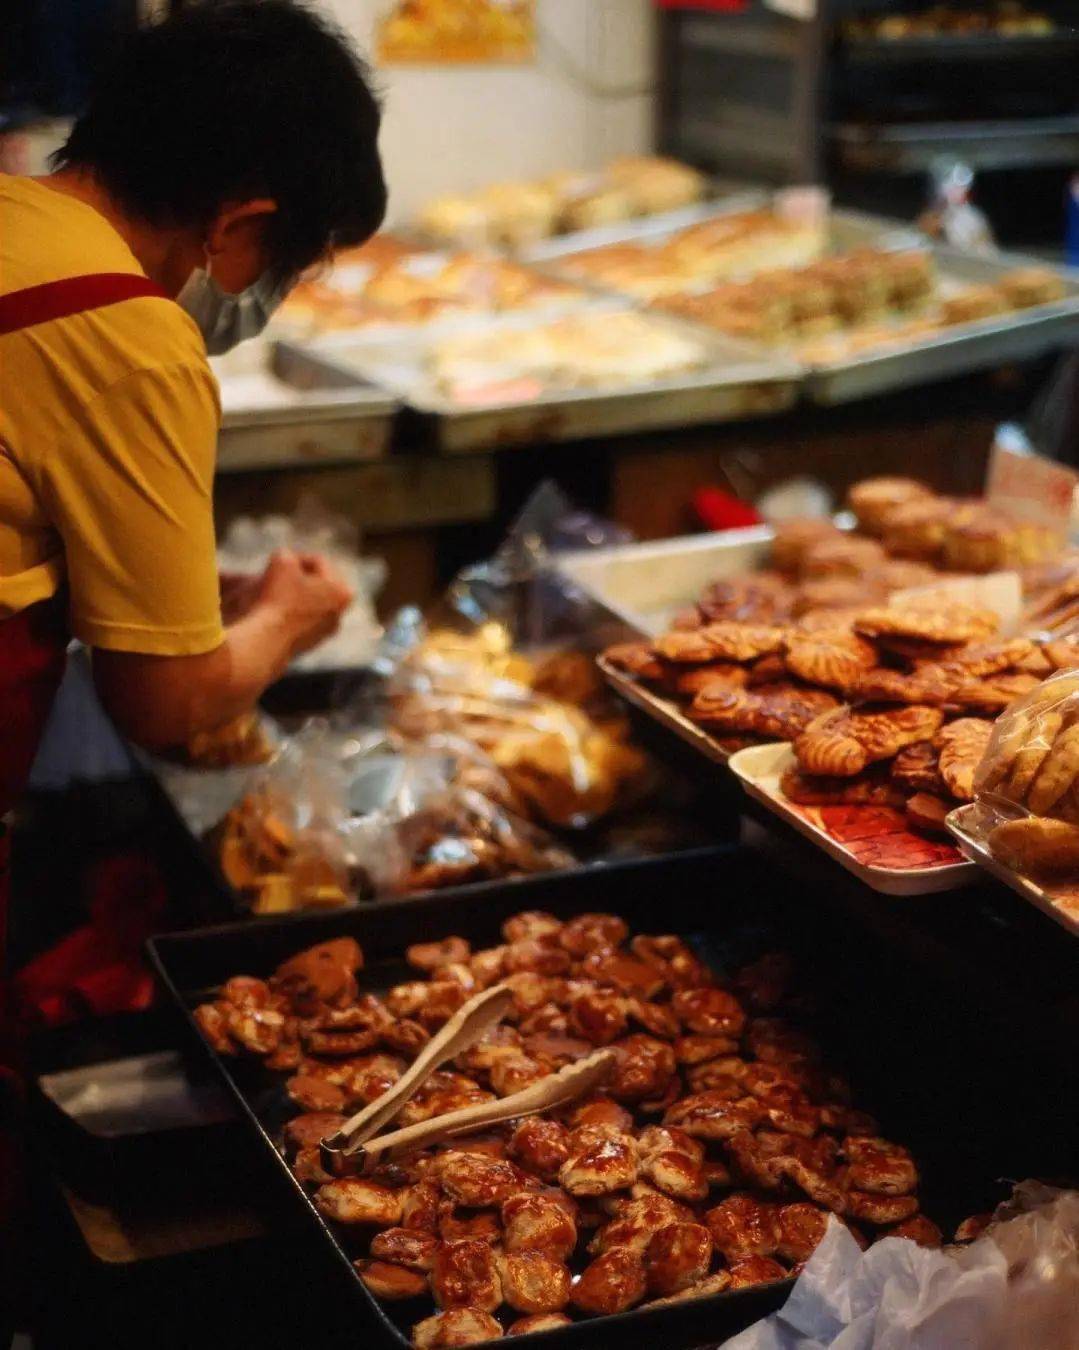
[
  {"x": 1026, "y": 286},
  {"x": 1037, "y": 845},
  {"x": 962, "y": 744},
  {"x": 873, "y": 499}
]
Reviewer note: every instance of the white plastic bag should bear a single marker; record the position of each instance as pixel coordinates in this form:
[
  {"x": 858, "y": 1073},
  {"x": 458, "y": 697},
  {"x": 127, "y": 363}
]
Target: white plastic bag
[{"x": 1016, "y": 1288}]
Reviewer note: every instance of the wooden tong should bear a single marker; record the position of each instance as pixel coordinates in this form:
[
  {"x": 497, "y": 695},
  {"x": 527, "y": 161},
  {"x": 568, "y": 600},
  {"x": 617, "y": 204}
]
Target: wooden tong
[{"x": 354, "y": 1148}]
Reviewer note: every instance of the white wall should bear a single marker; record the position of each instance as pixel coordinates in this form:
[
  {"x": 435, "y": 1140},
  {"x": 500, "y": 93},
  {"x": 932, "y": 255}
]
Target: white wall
[{"x": 587, "y": 97}]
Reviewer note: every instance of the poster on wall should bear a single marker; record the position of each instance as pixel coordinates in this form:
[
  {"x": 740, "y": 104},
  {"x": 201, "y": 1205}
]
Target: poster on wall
[{"x": 448, "y": 32}]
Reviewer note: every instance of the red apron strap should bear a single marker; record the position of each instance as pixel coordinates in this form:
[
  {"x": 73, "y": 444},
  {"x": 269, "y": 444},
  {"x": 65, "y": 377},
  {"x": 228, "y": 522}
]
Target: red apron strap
[{"x": 71, "y": 295}]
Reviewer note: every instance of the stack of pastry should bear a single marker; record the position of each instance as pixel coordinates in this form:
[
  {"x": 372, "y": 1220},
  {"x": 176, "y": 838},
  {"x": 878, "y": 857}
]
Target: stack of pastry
[
  {"x": 836, "y": 294},
  {"x": 886, "y": 705},
  {"x": 710, "y": 1160},
  {"x": 957, "y": 534},
  {"x": 1031, "y": 778},
  {"x": 269, "y": 864},
  {"x": 545, "y": 725},
  {"x": 595, "y": 350},
  {"x": 366, "y": 286},
  {"x": 739, "y": 243},
  {"x": 515, "y": 215},
  {"x": 1024, "y": 288}
]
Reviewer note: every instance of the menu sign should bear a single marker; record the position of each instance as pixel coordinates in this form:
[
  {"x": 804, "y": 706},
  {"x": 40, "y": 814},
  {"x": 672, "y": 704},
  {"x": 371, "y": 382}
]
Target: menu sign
[{"x": 1032, "y": 488}]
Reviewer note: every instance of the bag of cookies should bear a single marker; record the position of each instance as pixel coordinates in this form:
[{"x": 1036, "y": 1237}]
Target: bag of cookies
[{"x": 1027, "y": 785}]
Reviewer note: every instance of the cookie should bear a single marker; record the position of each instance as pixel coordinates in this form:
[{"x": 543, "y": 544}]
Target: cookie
[
  {"x": 962, "y": 745},
  {"x": 868, "y": 789},
  {"x": 993, "y": 694},
  {"x": 917, "y": 768},
  {"x": 936, "y": 623},
  {"x": 723, "y": 641},
  {"x": 1037, "y": 845},
  {"x": 1057, "y": 772},
  {"x": 828, "y": 749},
  {"x": 873, "y": 499},
  {"x": 884, "y": 685},
  {"x": 926, "y": 814},
  {"x": 1029, "y": 760},
  {"x": 833, "y": 660}
]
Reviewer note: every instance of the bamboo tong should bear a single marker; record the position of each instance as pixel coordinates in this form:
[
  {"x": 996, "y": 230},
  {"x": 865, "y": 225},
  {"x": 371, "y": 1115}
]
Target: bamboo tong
[{"x": 353, "y": 1148}]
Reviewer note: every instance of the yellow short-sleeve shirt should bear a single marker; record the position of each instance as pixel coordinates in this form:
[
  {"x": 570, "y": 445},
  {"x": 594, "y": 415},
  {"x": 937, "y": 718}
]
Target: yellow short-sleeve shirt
[{"x": 108, "y": 431}]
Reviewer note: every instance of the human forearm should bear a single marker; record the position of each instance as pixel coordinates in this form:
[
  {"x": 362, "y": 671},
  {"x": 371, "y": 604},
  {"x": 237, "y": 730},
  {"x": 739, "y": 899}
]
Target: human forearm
[{"x": 161, "y": 701}]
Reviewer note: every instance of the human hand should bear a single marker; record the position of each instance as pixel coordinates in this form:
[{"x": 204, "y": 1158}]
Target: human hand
[{"x": 307, "y": 596}]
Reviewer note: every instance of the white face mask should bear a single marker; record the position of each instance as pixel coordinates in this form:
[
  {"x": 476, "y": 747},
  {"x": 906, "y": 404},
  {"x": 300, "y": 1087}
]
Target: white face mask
[{"x": 225, "y": 319}]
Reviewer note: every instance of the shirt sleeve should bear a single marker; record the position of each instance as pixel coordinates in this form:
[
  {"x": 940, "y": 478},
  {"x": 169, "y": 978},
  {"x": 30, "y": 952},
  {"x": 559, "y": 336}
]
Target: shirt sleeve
[{"x": 133, "y": 504}]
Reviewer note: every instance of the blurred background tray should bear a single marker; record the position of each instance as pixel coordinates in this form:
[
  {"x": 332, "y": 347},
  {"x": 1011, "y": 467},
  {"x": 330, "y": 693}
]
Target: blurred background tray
[{"x": 282, "y": 404}]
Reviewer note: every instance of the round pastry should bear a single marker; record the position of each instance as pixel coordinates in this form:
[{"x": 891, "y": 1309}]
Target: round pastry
[
  {"x": 909, "y": 276},
  {"x": 916, "y": 528},
  {"x": 794, "y": 538},
  {"x": 1037, "y": 844},
  {"x": 982, "y": 540},
  {"x": 972, "y": 303},
  {"x": 1028, "y": 286},
  {"x": 873, "y": 499},
  {"x": 844, "y": 557}
]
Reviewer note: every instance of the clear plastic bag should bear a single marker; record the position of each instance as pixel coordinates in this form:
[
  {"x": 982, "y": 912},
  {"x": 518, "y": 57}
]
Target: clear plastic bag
[
  {"x": 249, "y": 544},
  {"x": 1015, "y": 1288},
  {"x": 1027, "y": 786},
  {"x": 282, "y": 845},
  {"x": 453, "y": 836}
]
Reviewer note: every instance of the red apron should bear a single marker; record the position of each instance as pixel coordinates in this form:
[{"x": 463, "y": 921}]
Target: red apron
[{"x": 32, "y": 651}]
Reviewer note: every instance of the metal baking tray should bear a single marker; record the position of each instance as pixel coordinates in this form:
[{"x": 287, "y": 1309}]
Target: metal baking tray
[
  {"x": 731, "y": 917},
  {"x": 299, "y": 407},
  {"x": 1062, "y": 909},
  {"x": 665, "y": 711},
  {"x": 645, "y": 585},
  {"x": 986, "y": 143},
  {"x": 641, "y": 229},
  {"x": 739, "y": 382},
  {"x": 846, "y": 230},
  {"x": 759, "y": 770},
  {"x": 1019, "y": 336}
]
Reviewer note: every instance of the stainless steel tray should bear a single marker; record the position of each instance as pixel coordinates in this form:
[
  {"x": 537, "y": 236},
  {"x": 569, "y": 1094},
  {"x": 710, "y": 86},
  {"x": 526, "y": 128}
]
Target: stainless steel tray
[
  {"x": 878, "y": 851},
  {"x": 1018, "y": 336},
  {"x": 664, "y": 711},
  {"x": 846, "y": 230},
  {"x": 300, "y": 407},
  {"x": 644, "y": 228},
  {"x": 739, "y": 382},
  {"x": 1062, "y": 906},
  {"x": 645, "y": 585}
]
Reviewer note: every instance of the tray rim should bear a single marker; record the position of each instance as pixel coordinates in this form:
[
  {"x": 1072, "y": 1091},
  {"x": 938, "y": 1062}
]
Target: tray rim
[
  {"x": 896, "y": 882},
  {"x": 1028, "y": 890},
  {"x": 666, "y": 713}
]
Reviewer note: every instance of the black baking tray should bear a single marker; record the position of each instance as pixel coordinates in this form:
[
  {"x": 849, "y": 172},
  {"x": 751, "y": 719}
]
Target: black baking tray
[{"x": 876, "y": 1021}]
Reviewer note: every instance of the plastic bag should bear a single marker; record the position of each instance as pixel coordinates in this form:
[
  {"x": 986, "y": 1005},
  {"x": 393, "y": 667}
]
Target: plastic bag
[
  {"x": 453, "y": 836},
  {"x": 520, "y": 588},
  {"x": 566, "y": 767},
  {"x": 249, "y": 544},
  {"x": 281, "y": 846},
  {"x": 1016, "y": 1288},
  {"x": 1027, "y": 785}
]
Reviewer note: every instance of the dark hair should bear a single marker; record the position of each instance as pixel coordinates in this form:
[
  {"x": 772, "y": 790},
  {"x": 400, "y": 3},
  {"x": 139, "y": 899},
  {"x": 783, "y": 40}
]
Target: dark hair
[{"x": 225, "y": 102}]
